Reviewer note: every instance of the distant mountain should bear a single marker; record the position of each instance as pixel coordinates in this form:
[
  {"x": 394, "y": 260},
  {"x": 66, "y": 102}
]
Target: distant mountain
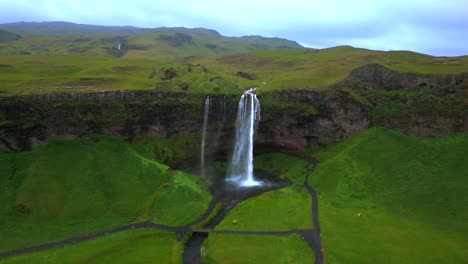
[
  {"x": 67, "y": 28},
  {"x": 64, "y": 38},
  {"x": 8, "y": 36}
]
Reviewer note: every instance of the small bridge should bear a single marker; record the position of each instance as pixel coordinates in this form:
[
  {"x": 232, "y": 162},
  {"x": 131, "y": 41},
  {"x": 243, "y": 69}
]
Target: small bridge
[{"x": 202, "y": 230}]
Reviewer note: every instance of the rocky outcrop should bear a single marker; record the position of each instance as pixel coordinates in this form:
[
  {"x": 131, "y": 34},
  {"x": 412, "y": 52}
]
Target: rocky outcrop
[
  {"x": 428, "y": 105},
  {"x": 376, "y": 76},
  {"x": 338, "y": 116}
]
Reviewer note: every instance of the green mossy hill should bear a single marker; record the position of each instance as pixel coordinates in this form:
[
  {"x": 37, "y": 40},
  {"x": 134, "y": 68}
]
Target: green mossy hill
[
  {"x": 415, "y": 177},
  {"x": 401, "y": 197},
  {"x": 223, "y": 248},
  {"x": 135, "y": 246},
  {"x": 321, "y": 69},
  {"x": 71, "y": 188}
]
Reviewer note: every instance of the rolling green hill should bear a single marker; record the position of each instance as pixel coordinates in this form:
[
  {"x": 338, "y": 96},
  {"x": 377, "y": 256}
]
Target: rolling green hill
[
  {"x": 67, "y": 57},
  {"x": 267, "y": 70},
  {"x": 387, "y": 197},
  {"x": 72, "y": 188},
  {"x": 63, "y": 38}
]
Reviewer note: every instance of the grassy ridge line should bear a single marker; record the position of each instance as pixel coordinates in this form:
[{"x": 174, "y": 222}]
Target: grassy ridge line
[{"x": 69, "y": 188}]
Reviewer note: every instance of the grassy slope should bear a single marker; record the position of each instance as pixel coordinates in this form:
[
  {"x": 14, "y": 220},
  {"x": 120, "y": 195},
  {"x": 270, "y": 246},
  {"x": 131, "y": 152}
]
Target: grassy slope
[
  {"x": 410, "y": 192},
  {"x": 134, "y": 246},
  {"x": 219, "y": 248},
  {"x": 67, "y": 188},
  {"x": 317, "y": 69},
  {"x": 286, "y": 167}
]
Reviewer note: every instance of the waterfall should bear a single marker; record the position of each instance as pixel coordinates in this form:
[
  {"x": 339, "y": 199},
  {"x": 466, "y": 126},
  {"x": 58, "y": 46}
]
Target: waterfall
[
  {"x": 118, "y": 46},
  {"x": 213, "y": 126},
  {"x": 203, "y": 143},
  {"x": 248, "y": 115}
]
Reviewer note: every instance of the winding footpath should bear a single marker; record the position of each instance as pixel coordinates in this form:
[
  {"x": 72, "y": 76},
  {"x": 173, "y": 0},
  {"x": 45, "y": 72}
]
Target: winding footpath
[
  {"x": 310, "y": 236},
  {"x": 317, "y": 242}
]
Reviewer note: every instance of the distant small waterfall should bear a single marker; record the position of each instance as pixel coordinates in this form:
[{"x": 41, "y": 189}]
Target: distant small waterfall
[
  {"x": 118, "y": 46},
  {"x": 248, "y": 115},
  {"x": 214, "y": 114},
  {"x": 203, "y": 143}
]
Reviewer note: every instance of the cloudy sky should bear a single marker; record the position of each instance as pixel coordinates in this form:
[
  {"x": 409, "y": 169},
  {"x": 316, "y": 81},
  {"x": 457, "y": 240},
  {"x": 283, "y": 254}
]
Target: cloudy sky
[{"x": 436, "y": 27}]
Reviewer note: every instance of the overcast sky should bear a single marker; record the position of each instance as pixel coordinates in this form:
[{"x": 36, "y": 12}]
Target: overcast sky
[{"x": 436, "y": 27}]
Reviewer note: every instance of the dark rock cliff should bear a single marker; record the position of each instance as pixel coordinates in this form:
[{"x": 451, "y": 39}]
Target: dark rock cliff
[
  {"x": 291, "y": 120},
  {"x": 376, "y": 76},
  {"x": 429, "y": 105}
]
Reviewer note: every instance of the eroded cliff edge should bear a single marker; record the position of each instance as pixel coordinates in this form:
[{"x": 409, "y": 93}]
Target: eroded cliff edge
[{"x": 420, "y": 105}]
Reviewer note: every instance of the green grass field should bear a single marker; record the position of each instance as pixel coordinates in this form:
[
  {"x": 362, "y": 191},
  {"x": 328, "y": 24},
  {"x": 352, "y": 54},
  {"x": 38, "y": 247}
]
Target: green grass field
[
  {"x": 387, "y": 197},
  {"x": 279, "y": 210},
  {"x": 223, "y": 248},
  {"x": 134, "y": 246},
  {"x": 70, "y": 188}
]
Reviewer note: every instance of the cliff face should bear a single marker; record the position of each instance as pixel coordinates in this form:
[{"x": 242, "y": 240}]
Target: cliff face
[
  {"x": 333, "y": 117},
  {"x": 291, "y": 120},
  {"x": 29, "y": 121},
  {"x": 429, "y": 105}
]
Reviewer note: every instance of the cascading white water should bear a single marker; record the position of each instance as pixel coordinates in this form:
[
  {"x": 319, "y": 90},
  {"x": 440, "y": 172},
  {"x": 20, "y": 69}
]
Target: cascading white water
[
  {"x": 203, "y": 143},
  {"x": 118, "y": 46},
  {"x": 248, "y": 115}
]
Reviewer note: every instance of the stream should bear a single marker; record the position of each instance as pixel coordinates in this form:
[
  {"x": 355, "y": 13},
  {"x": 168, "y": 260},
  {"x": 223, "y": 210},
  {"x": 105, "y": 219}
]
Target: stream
[{"x": 229, "y": 195}]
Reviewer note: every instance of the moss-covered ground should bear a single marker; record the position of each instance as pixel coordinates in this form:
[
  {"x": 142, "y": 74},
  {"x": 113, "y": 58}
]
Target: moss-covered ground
[{"x": 71, "y": 188}]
